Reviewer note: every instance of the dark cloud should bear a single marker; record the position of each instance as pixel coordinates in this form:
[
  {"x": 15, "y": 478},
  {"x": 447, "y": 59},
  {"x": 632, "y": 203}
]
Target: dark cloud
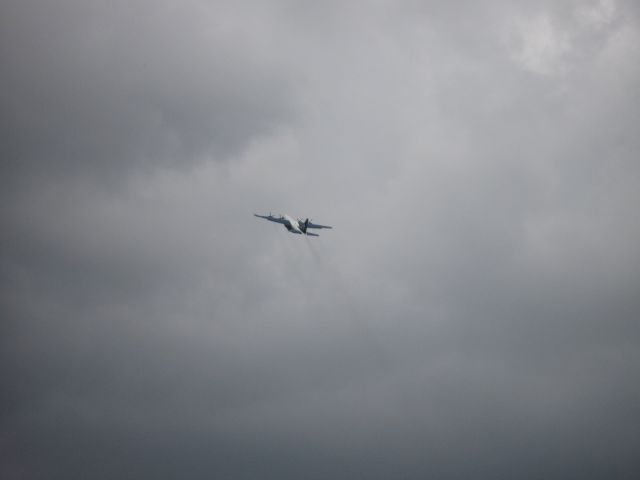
[
  {"x": 472, "y": 314},
  {"x": 106, "y": 88}
]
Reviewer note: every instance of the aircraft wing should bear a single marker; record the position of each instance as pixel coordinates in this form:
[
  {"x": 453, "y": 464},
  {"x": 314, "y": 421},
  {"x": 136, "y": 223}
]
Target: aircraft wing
[
  {"x": 315, "y": 225},
  {"x": 271, "y": 218}
]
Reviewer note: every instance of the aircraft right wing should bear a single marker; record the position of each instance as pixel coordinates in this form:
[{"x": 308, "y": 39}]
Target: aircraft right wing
[{"x": 315, "y": 225}]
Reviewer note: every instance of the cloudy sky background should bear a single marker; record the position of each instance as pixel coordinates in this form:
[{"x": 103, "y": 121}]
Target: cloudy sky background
[{"x": 474, "y": 313}]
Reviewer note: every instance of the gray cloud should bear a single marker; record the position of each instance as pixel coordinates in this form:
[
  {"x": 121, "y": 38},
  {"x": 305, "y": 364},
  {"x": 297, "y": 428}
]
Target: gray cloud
[
  {"x": 473, "y": 312},
  {"x": 106, "y": 88}
]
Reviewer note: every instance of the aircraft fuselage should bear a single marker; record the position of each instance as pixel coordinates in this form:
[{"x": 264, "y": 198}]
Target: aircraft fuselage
[{"x": 291, "y": 224}]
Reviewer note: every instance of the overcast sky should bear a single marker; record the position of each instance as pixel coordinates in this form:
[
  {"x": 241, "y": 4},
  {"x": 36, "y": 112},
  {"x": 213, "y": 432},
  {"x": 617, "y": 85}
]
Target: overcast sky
[{"x": 474, "y": 313}]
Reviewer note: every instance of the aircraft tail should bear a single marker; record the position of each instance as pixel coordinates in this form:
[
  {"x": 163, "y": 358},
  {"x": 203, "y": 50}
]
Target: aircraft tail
[{"x": 304, "y": 226}]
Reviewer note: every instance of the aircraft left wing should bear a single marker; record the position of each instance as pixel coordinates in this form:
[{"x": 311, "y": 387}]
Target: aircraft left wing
[{"x": 271, "y": 218}]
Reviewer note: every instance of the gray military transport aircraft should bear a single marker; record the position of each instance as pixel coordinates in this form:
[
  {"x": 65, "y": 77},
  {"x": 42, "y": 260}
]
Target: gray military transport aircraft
[{"x": 294, "y": 226}]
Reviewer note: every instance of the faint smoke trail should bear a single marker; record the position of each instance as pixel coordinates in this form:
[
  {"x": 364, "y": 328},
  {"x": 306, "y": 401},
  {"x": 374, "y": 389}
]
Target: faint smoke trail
[
  {"x": 355, "y": 314},
  {"x": 313, "y": 250},
  {"x": 293, "y": 263}
]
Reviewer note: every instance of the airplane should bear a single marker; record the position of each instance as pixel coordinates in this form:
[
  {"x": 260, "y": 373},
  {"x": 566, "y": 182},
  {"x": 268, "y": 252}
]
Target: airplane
[{"x": 293, "y": 226}]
